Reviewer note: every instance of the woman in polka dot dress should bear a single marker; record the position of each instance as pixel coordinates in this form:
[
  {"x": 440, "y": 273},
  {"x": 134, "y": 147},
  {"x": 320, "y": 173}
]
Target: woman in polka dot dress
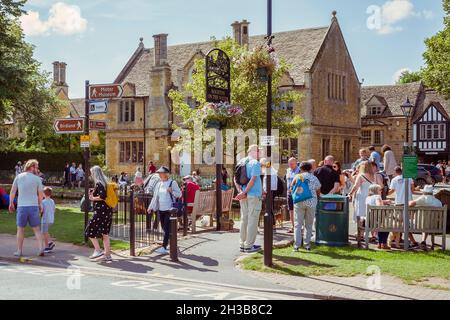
[{"x": 100, "y": 224}]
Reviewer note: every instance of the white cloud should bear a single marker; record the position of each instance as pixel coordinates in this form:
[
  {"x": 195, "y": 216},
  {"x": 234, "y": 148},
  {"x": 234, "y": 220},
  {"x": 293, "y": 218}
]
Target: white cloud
[
  {"x": 63, "y": 19},
  {"x": 392, "y": 12},
  {"x": 398, "y": 74}
]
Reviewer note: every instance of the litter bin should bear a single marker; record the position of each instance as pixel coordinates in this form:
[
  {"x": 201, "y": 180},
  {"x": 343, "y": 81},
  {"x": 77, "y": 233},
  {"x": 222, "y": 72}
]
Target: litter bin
[{"x": 332, "y": 219}]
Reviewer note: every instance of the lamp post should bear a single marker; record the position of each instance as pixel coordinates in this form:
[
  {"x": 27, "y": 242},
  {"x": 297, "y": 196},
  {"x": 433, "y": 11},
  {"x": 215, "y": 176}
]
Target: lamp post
[
  {"x": 268, "y": 217},
  {"x": 407, "y": 109}
]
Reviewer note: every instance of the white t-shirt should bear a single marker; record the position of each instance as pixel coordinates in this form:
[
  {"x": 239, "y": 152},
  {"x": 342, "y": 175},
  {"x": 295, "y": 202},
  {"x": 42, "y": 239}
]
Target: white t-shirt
[
  {"x": 48, "y": 207},
  {"x": 398, "y": 184},
  {"x": 428, "y": 201},
  {"x": 372, "y": 200},
  {"x": 28, "y": 186}
]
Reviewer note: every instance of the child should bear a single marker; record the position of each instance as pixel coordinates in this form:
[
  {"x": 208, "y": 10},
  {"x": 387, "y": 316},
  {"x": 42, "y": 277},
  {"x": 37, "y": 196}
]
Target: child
[
  {"x": 374, "y": 199},
  {"x": 48, "y": 218}
]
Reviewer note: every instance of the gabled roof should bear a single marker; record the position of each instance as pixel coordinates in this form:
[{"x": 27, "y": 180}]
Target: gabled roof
[
  {"x": 393, "y": 95},
  {"x": 299, "y": 48},
  {"x": 431, "y": 97},
  {"x": 77, "y": 107}
]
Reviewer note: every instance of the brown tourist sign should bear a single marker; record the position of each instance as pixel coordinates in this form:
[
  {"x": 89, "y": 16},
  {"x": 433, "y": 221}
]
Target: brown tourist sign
[
  {"x": 69, "y": 125},
  {"x": 97, "y": 125},
  {"x": 105, "y": 91}
]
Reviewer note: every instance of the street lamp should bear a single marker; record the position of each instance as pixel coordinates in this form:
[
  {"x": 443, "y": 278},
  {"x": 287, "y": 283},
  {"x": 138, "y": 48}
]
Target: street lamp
[{"x": 407, "y": 109}]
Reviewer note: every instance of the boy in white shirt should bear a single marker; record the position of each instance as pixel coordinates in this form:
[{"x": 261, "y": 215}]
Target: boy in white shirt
[
  {"x": 48, "y": 218},
  {"x": 398, "y": 186}
]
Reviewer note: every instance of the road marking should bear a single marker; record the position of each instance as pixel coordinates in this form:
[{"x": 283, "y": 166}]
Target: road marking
[{"x": 180, "y": 289}]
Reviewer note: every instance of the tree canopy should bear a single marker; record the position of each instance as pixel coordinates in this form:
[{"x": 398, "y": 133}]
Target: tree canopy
[
  {"x": 245, "y": 93},
  {"x": 25, "y": 90},
  {"x": 409, "y": 76},
  {"x": 436, "y": 73}
]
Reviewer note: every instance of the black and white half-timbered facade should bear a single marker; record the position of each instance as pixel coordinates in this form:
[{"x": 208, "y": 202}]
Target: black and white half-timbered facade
[
  {"x": 431, "y": 128},
  {"x": 383, "y": 121}
]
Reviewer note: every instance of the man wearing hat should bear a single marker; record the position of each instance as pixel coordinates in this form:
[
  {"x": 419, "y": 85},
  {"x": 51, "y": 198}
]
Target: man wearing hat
[
  {"x": 426, "y": 200},
  {"x": 165, "y": 193},
  {"x": 250, "y": 199}
]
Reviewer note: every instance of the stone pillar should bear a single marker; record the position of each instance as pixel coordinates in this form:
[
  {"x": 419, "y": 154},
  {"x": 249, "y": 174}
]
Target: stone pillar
[
  {"x": 56, "y": 78},
  {"x": 245, "y": 32},
  {"x": 160, "y": 49},
  {"x": 237, "y": 32}
]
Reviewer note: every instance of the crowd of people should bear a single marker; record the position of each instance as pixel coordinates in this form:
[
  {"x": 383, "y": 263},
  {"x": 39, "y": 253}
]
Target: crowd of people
[{"x": 372, "y": 178}]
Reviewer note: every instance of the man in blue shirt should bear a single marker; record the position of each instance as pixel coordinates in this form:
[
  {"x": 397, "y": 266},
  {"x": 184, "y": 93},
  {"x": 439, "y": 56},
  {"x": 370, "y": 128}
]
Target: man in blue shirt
[
  {"x": 374, "y": 156},
  {"x": 250, "y": 199}
]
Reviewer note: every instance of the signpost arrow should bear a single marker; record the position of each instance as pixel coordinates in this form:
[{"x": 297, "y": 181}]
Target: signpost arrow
[
  {"x": 69, "y": 125},
  {"x": 100, "y": 106},
  {"x": 105, "y": 91},
  {"x": 97, "y": 125}
]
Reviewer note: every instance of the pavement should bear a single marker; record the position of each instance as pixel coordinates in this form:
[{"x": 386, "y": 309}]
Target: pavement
[{"x": 207, "y": 269}]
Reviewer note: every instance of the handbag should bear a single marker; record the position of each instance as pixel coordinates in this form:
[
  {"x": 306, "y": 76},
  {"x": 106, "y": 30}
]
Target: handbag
[
  {"x": 301, "y": 191},
  {"x": 84, "y": 203},
  {"x": 177, "y": 204}
]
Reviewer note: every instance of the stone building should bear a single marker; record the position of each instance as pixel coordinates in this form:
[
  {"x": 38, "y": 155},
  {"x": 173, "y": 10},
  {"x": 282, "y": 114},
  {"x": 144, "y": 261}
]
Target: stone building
[
  {"x": 383, "y": 121},
  {"x": 321, "y": 69},
  {"x": 13, "y": 127}
]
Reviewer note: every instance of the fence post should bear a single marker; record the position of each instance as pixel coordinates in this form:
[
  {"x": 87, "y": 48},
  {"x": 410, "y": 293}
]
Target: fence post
[
  {"x": 185, "y": 217},
  {"x": 173, "y": 238},
  {"x": 132, "y": 226}
]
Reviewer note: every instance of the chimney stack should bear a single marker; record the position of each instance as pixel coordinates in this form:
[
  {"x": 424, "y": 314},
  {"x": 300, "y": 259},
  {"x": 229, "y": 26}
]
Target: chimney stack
[
  {"x": 56, "y": 72},
  {"x": 160, "y": 49},
  {"x": 62, "y": 73},
  {"x": 241, "y": 32}
]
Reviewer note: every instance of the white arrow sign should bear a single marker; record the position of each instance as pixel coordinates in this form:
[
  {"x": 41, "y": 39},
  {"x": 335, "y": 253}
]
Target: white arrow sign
[{"x": 100, "y": 106}]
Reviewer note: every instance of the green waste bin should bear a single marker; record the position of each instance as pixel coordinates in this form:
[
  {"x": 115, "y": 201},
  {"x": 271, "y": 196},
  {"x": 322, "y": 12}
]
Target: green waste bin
[{"x": 332, "y": 219}]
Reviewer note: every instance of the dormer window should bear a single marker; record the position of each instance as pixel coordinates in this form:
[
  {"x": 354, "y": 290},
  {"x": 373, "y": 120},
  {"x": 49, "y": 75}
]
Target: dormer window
[{"x": 375, "y": 110}]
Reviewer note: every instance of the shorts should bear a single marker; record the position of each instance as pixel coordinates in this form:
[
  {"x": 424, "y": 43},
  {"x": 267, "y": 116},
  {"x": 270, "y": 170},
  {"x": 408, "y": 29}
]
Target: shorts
[
  {"x": 73, "y": 177},
  {"x": 28, "y": 215},
  {"x": 45, "y": 227},
  {"x": 290, "y": 202}
]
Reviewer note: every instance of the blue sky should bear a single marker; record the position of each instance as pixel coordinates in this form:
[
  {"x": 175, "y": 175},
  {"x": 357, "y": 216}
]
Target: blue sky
[{"x": 97, "y": 37}]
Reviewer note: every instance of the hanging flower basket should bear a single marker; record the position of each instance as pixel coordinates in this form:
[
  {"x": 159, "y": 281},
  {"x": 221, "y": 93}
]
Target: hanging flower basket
[
  {"x": 259, "y": 63},
  {"x": 217, "y": 115}
]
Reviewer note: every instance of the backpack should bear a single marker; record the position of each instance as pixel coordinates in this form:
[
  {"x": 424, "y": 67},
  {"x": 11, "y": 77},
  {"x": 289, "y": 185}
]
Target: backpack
[
  {"x": 112, "y": 199},
  {"x": 281, "y": 188},
  {"x": 301, "y": 191},
  {"x": 240, "y": 174},
  {"x": 177, "y": 204}
]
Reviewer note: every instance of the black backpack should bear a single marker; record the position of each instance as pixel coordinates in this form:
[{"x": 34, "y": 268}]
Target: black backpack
[
  {"x": 281, "y": 188},
  {"x": 240, "y": 174}
]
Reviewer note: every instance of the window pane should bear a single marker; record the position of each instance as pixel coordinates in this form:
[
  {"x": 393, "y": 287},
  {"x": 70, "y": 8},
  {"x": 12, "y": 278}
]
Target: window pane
[
  {"x": 344, "y": 82},
  {"x": 127, "y": 111},
  {"x": 366, "y": 137},
  {"x": 134, "y": 152},
  {"x": 121, "y": 111},
  {"x": 127, "y": 151},
  {"x": 121, "y": 152},
  {"x": 132, "y": 111},
  {"x": 294, "y": 148},
  {"x": 443, "y": 135},
  {"x": 141, "y": 152}
]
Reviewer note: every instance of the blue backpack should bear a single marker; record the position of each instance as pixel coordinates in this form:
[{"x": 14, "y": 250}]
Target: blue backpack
[{"x": 301, "y": 191}]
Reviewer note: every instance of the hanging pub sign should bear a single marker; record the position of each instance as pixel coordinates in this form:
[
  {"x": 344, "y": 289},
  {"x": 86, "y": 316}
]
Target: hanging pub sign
[{"x": 217, "y": 76}]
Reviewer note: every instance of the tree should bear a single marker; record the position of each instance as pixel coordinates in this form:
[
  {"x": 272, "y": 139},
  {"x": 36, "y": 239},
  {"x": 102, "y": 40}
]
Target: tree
[
  {"x": 25, "y": 91},
  {"x": 436, "y": 73},
  {"x": 247, "y": 94},
  {"x": 409, "y": 77}
]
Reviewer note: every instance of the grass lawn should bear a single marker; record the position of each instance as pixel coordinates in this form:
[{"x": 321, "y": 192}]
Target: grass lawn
[
  {"x": 68, "y": 227},
  {"x": 346, "y": 262}
]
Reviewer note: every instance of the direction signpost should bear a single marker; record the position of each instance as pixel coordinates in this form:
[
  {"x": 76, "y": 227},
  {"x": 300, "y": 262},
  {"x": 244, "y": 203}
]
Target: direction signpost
[
  {"x": 98, "y": 125},
  {"x": 98, "y": 106},
  {"x": 105, "y": 91},
  {"x": 69, "y": 125}
]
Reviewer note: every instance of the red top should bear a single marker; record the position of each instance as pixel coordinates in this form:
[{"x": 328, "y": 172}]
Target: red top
[
  {"x": 151, "y": 169},
  {"x": 191, "y": 189}
]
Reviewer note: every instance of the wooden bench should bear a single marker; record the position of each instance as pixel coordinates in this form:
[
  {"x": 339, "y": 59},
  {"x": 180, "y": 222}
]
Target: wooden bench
[
  {"x": 430, "y": 220},
  {"x": 205, "y": 205}
]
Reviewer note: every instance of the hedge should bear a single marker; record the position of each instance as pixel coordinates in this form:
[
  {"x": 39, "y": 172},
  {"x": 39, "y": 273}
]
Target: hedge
[{"x": 47, "y": 161}]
